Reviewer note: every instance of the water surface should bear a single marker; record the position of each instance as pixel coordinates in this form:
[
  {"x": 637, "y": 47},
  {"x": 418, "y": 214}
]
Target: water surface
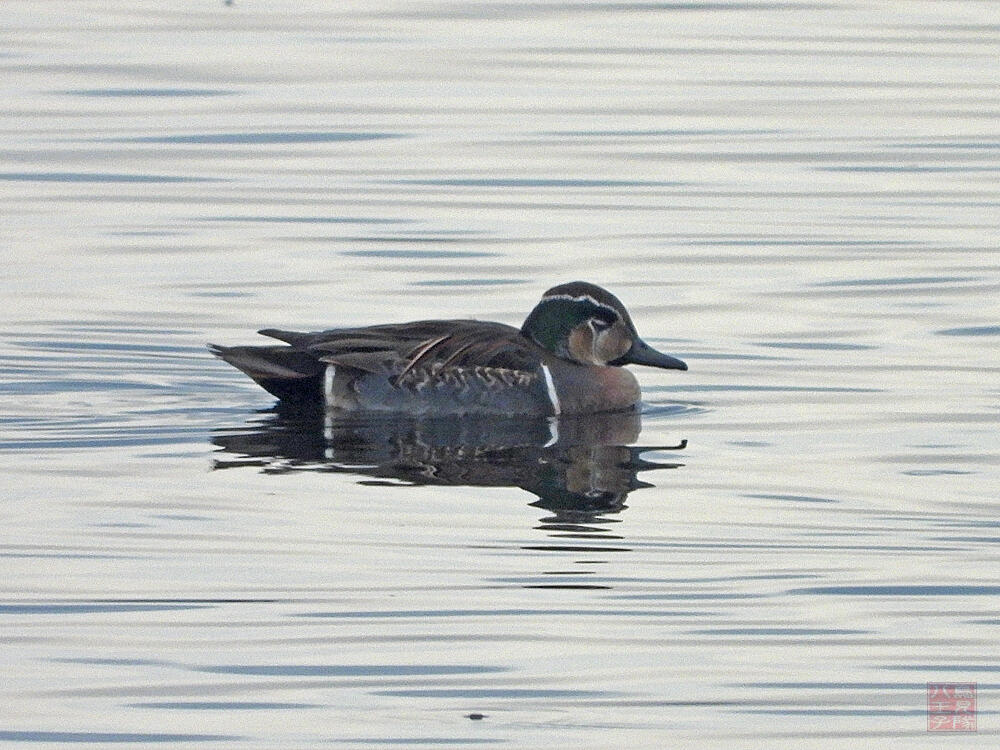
[{"x": 783, "y": 548}]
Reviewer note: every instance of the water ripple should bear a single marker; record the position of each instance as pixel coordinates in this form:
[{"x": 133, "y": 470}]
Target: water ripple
[
  {"x": 99, "y": 177},
  {"x": 257, "y": 139}
]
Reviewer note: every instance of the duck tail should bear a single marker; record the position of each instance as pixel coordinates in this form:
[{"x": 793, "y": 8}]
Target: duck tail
[{"x": 282, "y": 371}]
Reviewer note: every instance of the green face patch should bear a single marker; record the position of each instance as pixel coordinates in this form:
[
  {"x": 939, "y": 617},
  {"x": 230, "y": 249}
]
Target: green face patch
[{"x": 550, "y": 323}]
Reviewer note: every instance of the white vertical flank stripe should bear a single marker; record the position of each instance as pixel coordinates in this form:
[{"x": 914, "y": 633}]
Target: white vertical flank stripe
[
  {"x": 551, "y": 387},
  {"x": 328, "y": 374},
  {"x": 553, "y": 432}
]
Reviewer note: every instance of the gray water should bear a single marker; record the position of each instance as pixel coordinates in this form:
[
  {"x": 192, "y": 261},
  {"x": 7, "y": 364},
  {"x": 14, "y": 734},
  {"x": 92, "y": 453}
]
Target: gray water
[{"x": 800, "y": 199}]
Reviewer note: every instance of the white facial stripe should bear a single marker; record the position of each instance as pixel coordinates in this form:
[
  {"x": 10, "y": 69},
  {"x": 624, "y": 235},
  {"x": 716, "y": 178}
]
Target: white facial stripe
[
  {"x": 598, "y": 325},
  {"x": 585, "y": 298},
  {"x": 550, "y": 386}
]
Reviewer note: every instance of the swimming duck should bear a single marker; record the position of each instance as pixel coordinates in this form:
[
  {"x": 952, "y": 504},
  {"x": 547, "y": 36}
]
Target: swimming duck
[{"x": 567, "y": 358}]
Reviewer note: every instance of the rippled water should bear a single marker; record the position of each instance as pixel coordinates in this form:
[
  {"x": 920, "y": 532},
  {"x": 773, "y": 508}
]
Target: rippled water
[{"x": 791, "y": 540}]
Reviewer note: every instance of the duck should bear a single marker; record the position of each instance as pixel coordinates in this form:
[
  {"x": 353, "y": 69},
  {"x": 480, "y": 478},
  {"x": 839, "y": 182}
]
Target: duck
[{"x": 567, "y": 358}]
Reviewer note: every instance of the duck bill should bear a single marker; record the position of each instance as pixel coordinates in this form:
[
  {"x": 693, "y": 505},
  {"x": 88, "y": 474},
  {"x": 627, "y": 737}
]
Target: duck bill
[{"x": 642, "y": 353}]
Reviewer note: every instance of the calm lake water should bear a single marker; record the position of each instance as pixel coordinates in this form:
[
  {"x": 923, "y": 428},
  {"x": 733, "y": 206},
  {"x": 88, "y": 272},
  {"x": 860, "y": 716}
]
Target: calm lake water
[{"x": 800, "y": 199}]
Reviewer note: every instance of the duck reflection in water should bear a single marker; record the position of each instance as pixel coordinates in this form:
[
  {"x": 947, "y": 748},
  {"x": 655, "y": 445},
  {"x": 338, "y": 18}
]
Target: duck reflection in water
[{"x": 580, "y": 468}]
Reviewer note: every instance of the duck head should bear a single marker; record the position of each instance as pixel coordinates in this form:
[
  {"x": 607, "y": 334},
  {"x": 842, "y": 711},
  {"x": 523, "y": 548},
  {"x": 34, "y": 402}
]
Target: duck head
[{"x": 586, "y": 324}]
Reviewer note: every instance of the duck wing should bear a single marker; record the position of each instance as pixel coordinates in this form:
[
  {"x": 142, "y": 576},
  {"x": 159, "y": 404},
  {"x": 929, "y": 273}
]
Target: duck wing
[{"x": 399, "y": 348}]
